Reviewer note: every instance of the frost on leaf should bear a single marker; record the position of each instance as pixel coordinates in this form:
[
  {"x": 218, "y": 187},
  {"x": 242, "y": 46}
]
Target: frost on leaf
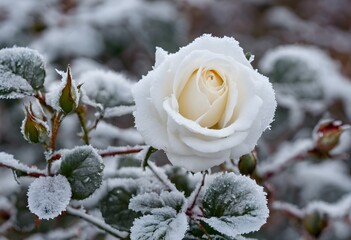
[
  {"x": 49, "y": 196},
  {"x": 147, "y": 202},
  {"x": 114, "y": 207},
  {"x": 107, "y": 88},
  {"x": 21, "y": 72},
  {"x": 234, "y": 204},
  {"x": 163, "y": 223},
  {"x": 83, "y": 168}
]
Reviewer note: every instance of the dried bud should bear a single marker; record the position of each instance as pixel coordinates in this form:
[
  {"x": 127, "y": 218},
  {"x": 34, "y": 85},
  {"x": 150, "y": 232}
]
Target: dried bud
[
  {"x": 68, "y": 100},
  {"x": 327, "y": 134},
  {"x": 34, "y": 129},
  {"x": 315, "y": 223},
  {"x": 247, "y": 163}
]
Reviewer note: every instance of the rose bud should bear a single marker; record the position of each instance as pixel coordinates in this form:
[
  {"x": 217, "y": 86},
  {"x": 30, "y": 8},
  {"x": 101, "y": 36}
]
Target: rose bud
[
  {"x": 247, "y": 163},
  {"x": 327, "y": 135},
  {"x": 69, "y": 95},
  {"x": 315, "y": 223},
  {"x": 34, "y": 129}
]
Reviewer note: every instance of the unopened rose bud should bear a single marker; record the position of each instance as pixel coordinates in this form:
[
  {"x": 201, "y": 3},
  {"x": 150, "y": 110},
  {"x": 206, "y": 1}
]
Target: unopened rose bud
[
  {"x": 315, "y": 223},
  {"x": 327, "y": 135},
  {"x": 34, "y": 129},
  {"x": 68, "y": 97},
  {"x": 247, "y": 163}
]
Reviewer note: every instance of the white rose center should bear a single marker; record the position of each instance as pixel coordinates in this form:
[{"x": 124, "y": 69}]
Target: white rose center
[{"x": 203, "y": 98}]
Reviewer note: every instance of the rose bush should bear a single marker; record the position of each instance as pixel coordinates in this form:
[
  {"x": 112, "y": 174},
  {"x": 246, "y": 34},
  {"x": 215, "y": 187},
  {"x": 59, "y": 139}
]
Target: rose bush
[{"x": 203, "y": 104}]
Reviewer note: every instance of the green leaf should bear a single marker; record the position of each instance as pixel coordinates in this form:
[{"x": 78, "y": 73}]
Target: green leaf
[
  {"x": 83, "y": 168},
  {"x": 234, "y": 204},
  {"x": 147, "y": 202},
  {"x": 288, "y": 79},
  {"x": 21, "y": 72},
  {"x": 114, "y": 207},
  {"x": 163, "y": 223}
]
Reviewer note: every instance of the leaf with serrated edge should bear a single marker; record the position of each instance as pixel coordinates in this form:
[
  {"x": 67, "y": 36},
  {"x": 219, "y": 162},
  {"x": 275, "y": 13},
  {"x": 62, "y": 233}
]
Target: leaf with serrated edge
[
  {"x": 83, "y": 168},
  {"x": 114, "y": 207},
  {"x": 21, "y": 72},
  {"x": 164, "y": 223},
  {"x": 234, "y": 204}
]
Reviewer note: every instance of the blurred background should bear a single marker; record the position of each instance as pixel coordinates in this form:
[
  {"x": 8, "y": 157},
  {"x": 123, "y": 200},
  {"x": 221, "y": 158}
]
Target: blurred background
[{"x": 121, "y": 35}]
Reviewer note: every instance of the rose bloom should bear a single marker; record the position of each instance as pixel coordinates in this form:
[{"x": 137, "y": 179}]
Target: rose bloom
[{"x": 204, "y": 104}]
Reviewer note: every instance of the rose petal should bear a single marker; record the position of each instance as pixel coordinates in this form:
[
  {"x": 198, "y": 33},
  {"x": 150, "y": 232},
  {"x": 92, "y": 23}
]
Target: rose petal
[{"x": 151, "y": 128}]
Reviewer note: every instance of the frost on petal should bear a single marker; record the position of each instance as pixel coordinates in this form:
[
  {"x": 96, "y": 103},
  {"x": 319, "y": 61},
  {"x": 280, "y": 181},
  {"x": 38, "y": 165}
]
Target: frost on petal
[
  {"x": 49, "y": 196},
  {"x": 107, "y": 88},
  {"x": 234, "y": 204},
  {"x": 164, "y": 223}
]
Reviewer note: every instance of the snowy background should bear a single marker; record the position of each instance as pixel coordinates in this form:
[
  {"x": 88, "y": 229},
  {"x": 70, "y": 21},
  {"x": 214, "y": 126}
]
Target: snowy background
[{"x": 121, "y": 36}]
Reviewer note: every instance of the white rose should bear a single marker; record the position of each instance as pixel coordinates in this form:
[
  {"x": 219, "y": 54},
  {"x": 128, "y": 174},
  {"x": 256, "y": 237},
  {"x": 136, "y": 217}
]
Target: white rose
[{"x": 203, "y": 104}]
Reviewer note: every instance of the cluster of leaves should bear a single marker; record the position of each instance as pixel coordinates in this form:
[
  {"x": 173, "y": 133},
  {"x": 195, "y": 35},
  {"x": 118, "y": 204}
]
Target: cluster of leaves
[{"x": 137, "y": 199}]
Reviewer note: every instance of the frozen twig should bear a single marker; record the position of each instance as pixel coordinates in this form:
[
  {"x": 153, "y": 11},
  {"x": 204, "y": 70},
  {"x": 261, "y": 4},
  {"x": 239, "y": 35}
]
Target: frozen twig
[{"x": 96, "y": 222}]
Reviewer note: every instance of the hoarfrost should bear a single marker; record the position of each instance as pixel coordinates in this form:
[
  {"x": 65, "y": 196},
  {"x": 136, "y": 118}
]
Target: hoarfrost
[
  {"x": 66, "y": 40},
  {"x": 9, "y": 161},
  {"x": 107, "y": 88},
  {"x": 317, "y": 71},
  {"x": 53, "y": 97},
  {"x": 285, "y": 154},
  {"x": 163, "y": 223},
  {"x": 314, "y": 179},
  {"x": 118, "y": 111},
  {"x": 235, "y": 204},
  {"x": 49, "y": 196},
  {"x": 105, "y": 133},
  {"x": 147, "y": 202},
  {"x": 21, "y": 71}
]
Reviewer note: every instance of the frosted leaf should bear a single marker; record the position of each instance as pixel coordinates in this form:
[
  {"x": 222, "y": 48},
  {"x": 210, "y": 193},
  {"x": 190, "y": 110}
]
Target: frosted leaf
[
  {"x": 305, "y": 73},
  {"x": 114, "y": 206},
  {"x": 147, "y": 202},
  {"x": 234, "y": 204},
  {"x": 83, "y": 167},
  {"x": 21, "y": 71},
  {"x": 54, "y": 43},
  {"x": 49, "y": 196},
  {"x": 107, "y": 88},
  {"x": 164, "y": 223}
]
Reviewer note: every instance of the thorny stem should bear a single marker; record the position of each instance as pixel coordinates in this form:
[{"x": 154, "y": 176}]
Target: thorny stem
[
  {"x": 81, "y": 113},
  {"x": 96, "y": 222},
  {"x": 166, "y": 184},
  {"x": 202, "y": 229},
  {"x": 122, "y": 152},
  {"x": 198, "y": 190},
  {"x": 42, "y": 101},
  {"x": 97, "y": 120},
  {"x": 55, "y": 127},
  {"x": 31, "y": 174}
]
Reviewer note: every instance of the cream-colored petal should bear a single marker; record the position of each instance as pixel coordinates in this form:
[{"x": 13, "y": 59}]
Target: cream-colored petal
[
  {"x": 214, "y": 113},
  {"x": 193, "y": 103}
]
